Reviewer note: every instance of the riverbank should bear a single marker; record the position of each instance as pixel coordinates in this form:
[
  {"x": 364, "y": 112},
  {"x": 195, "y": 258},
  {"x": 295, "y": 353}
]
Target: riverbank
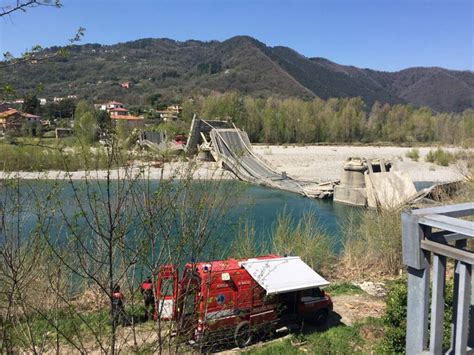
[
  {"x": 324, "y": 163},
  {"x": 312, "y": 163}
]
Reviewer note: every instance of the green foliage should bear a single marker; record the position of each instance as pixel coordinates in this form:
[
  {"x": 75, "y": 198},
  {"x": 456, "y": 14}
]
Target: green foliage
[
  {"x": 65, "y": 325},
  {"x": 344, "y": 288},
  {"x": 305, "y": 239},
  {"x": 440, "y": 157},
  {"x": 335, "y": 340},
  {"x": 38, "y": 157},
  {"x": 85, "y": 123},
  {"x": 292, "y": 120},
  {"x": 182, "y": 69},
  {"x": 172, "y": 128},
  {"x": 245, "y": 243},
  {"x": 103, "y": 120},
  {"x": 396, "y": 316},
  {"x": 31, "y": 104},
  {"x": 372, "y": 243},
  {"x": 413, "y": 154},
  {"x": 276, "y": 348}
]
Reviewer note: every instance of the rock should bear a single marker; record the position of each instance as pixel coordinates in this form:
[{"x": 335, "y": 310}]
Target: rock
[{"x": 376, "y": 289}]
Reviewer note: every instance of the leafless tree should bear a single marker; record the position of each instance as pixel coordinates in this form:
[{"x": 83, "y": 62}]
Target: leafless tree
[{"x": 95, "y": 233}]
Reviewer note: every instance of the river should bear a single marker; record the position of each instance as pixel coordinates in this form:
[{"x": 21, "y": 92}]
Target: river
[{"x": 259, "y": 205}]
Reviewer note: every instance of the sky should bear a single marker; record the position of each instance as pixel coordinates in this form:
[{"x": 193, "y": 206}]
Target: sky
[{"x": 378, "y": 34}]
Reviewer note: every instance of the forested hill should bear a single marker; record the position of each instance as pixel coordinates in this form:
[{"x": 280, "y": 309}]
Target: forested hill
[{"x": 179, "y": 69}]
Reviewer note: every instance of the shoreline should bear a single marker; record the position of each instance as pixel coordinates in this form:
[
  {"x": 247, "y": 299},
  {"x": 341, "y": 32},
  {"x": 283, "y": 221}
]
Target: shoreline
[{"x": 319, "y": 163}]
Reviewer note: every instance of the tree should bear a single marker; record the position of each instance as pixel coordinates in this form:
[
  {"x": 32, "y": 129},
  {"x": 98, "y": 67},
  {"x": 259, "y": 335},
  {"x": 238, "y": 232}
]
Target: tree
[
  {"x": 103, "y": 120},
  {"x": 9, "y": 7},
  {"x": 31, "y": 104},
  {"x": 85, "y": 123},
  {"x": 72, "y": 241}
]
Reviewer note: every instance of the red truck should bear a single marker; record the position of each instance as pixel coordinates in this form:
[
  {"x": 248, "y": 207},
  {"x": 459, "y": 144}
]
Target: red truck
[{"x": 240, "y": 299}]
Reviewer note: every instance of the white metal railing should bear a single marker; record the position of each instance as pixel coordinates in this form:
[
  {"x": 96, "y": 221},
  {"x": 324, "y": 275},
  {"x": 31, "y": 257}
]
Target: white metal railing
[{"x": 430, "y": 237}]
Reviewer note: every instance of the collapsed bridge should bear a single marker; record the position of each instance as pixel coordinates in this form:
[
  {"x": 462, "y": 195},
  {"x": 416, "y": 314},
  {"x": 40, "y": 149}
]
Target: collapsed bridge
[{"x": 231, "y": 147}]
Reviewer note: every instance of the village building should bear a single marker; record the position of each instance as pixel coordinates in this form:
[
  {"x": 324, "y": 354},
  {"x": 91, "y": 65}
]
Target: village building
[
  {"x": 121, "y": 114},
  {"x": 14, "y": 120},
  {"x": 109, "y": 106},
  {"x": 171, "y": 113},
  {"x": 118, "y": 113}
]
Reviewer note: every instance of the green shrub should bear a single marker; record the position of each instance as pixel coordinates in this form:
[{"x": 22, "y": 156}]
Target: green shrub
[
  {"x": 440, "y": 157},
  {"x": 372, "y": 243},
  {"x": 306, "y": 239},
  {"x": 396, "y": 316},
  {"x": 32, "y": 157},
  {"x": 413, "y": 154}
]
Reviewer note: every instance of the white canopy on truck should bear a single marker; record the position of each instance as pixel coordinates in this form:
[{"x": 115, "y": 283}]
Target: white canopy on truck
[{"x": 281, "y": 275}]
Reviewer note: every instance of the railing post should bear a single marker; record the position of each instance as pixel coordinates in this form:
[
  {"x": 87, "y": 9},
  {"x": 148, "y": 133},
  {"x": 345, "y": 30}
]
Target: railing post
[
  {"x": 462, "y": 299},
  {"x": 418, "y": 283},
  {"x": 417, "y": 310},
  {"x": 437, "y": 304}
]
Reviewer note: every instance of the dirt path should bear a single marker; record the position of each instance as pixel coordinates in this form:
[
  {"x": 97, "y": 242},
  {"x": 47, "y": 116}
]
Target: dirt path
[{"x": 353, "y": 308}]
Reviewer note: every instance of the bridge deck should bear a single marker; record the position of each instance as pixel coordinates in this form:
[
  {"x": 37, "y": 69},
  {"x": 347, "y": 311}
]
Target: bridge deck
[{"x": 233, "y": 148}]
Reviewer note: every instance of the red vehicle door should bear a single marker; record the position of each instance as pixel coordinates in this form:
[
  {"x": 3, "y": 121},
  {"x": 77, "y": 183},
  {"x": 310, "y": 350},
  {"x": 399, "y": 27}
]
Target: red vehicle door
[
  {"x": 188, "y": 303},
  {"x": 166, "y": 292}
]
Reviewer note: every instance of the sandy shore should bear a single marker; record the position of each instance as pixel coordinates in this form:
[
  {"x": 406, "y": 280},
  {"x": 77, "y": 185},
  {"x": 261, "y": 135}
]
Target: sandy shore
[
  {"x": 324, "y": 163},
  {"x": 311, "y": 163},
  {"x": 174, "y": 170}
]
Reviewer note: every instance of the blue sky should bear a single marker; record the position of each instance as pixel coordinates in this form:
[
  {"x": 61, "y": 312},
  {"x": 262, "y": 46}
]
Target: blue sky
[{"x": 378, "y": 34}]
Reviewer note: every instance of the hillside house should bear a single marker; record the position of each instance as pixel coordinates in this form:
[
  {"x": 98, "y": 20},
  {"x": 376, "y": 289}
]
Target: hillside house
[
  {"x": 13, "y": 120},
  {"x": 121, "y": 114},
  {"x": 110, "y": 106},
  {"x": 171, "y": 113}
]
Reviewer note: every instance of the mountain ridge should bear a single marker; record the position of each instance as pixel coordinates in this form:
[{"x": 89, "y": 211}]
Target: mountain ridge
[{"x": 177, "y": 69}]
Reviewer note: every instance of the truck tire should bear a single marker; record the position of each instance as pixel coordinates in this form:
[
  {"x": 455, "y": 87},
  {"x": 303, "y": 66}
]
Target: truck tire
[
  {"x": 243, "y": 334},
  {"x": 320, "y": 317}
]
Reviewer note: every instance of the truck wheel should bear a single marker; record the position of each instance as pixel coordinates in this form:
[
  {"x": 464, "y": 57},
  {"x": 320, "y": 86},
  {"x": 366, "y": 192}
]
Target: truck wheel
[
  {"x": 243, "y": 335},
  {"x": 320, "y": 317}
]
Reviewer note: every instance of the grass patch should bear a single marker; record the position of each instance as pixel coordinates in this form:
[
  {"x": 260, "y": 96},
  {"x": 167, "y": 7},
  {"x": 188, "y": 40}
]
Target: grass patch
[
  {"x": 372, "y": 244},
  {"x": 361, "y": 338},
  {"x": 440, "y": 157},
  {"x": 413, "y": 154},
  {"x": 41, "y": 158},
  {"x": 344, "y": 288}
]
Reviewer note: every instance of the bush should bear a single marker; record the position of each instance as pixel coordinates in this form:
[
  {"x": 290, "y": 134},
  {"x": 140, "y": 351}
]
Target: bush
[
  {"x": 413, "y": 154},
  {"x": 372, "y": 243},
  {"x": 440, "y": 157},
  {"x": 40, "y": 158},
  {"x": 307, "y": 240},
  {"x": 396, "y": 316},
  {"x": 304, "y": 238}
]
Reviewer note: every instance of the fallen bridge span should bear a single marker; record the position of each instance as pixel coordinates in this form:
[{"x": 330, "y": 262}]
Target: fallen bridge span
[{"x": 231, "y": 147}]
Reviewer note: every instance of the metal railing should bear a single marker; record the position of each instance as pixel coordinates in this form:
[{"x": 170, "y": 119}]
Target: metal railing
[{"x": 430, "y": 237}]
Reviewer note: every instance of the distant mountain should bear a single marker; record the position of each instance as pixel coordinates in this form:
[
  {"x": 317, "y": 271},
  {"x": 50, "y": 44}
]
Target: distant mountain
[{"x": 179, "y": 69}]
